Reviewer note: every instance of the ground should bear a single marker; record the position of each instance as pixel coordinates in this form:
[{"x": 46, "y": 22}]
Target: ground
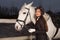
[{"x": 7, "y": 32}]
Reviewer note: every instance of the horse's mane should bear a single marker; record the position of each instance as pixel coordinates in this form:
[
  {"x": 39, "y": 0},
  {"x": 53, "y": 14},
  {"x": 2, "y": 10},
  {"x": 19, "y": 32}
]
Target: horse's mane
[{"x": 55, "y": 18}]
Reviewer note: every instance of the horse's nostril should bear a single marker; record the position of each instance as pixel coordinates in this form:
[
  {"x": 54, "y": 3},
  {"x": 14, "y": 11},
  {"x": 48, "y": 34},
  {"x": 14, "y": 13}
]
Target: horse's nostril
[{"x": 17, "y": 27}]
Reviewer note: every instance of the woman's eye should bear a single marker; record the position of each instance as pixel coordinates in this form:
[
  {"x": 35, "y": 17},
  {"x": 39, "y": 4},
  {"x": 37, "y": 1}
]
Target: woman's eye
[{"x": 24, "y": 13}]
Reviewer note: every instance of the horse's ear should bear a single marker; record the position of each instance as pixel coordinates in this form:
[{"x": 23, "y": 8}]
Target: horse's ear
[
  {"x": 34, "y": 7},
  {"x": 25, "y": 4},
  {"x": 30, "y": 4}
]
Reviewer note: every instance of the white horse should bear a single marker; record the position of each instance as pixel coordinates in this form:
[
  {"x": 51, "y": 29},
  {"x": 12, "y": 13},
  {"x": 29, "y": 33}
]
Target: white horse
[
  {"x": 26, "y": 15},
  {"x": 51, "y": 28}
]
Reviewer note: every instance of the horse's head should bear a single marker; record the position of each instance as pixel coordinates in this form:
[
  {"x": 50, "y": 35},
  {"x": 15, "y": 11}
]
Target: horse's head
[{"x": 26, "y": 15}]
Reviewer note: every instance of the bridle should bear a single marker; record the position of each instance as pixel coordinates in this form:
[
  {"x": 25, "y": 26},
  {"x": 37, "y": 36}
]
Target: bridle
[{"x": 24, "y": 21}]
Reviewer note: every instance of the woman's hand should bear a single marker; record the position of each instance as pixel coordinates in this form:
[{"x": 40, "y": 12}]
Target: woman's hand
[{"x": 31, "y": 30}]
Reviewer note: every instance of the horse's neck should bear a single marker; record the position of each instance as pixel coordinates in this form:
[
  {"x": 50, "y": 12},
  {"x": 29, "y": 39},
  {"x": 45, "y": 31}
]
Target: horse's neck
[
  {"x": 32, "y": 12},
  {"x": 28, "y": 20},
  {"x": 33, "y": 20}
]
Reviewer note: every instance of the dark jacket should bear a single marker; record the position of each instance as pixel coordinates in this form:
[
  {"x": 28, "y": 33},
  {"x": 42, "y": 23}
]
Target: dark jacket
[
  {"x": 40, "y": 29},
  {"x": 40, "y": 32},
  {"x": 40, "y": 25}
]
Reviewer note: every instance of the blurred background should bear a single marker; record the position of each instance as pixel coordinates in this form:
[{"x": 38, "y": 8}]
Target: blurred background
[{"x": 9, "y": 10}]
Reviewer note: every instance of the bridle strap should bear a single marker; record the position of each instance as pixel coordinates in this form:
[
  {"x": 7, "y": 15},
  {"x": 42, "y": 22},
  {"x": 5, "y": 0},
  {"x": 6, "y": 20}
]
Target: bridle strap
[
  {"x": 28, "y": 13},
  {"x": 25, "y": 18},
  {"x": 19, "y": 20}
]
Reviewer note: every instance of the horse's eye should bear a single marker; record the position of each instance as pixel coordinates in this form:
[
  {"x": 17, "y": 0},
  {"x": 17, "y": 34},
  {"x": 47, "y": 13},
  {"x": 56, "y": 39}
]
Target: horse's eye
[{"x": 24, "y": 13}]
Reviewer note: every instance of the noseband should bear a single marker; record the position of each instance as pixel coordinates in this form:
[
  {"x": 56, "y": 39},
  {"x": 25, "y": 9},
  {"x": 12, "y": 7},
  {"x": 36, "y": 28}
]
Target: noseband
[{"x": 24, "y": 21}]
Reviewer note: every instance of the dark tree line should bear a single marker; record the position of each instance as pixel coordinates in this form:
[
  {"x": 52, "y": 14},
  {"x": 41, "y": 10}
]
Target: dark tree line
[
  {"x": 55, "y": 18},
  {"x": 13, "y": 12},
  {"x": 8, "y": 12}
]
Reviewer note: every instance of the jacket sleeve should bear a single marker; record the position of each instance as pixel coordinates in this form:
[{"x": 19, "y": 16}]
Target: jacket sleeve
[{"x": 30, "y": 25}]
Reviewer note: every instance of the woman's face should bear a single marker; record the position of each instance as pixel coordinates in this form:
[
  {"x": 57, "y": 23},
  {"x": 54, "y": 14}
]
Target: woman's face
[{"x": 38, "y": 12}]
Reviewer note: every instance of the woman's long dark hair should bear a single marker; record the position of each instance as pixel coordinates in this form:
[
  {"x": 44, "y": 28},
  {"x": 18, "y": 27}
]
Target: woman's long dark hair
[
  {"x": 41, "y": 9},
  {"x": 41, "y": 17}
]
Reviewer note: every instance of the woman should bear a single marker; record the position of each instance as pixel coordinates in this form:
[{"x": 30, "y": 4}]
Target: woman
[{"x": 41, "y": 25}]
